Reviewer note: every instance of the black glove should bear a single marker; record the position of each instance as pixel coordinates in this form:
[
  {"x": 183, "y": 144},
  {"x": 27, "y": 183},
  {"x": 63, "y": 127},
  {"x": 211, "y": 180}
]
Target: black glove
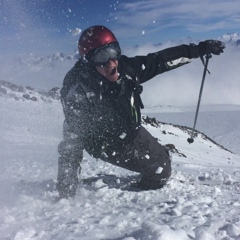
[{"x": 211, "y": 47}]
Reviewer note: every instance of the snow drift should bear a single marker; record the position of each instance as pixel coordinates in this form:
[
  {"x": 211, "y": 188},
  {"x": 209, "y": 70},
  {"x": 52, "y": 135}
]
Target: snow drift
[{"x": 200, "y": 201}]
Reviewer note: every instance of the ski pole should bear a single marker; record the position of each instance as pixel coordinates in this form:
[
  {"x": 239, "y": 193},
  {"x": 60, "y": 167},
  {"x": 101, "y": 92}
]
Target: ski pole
[{"x": 190, "y": 140}]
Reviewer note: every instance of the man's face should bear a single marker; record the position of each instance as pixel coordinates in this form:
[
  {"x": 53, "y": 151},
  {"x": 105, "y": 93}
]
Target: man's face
[{"x": 110, "y": 70}]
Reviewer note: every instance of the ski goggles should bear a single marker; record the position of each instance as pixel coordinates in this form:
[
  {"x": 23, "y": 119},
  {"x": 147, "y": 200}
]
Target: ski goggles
[{"x": 102, "y": 55}]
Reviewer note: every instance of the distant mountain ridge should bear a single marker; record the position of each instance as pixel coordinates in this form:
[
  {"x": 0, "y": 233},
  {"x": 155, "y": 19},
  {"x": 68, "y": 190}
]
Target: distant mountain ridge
[
  {"x": 35, "y": 60},
  {"x": 15, "y": 92},
  {"x": 232, "y": 39}
]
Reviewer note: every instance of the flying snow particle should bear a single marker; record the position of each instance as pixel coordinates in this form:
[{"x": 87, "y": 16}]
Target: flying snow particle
[
  {"x": 143, "y": 32},
  {"x": 23, "y": 25},
  {"x": 143, "y": 66},
  {"x": 76, "y": 31},
  {"x": 123, "y": 135},
  {"x": 159, "y": 170}
]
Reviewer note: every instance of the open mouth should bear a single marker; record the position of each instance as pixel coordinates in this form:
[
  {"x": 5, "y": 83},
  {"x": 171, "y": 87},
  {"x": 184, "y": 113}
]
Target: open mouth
[{"x": 113, "y": 71}]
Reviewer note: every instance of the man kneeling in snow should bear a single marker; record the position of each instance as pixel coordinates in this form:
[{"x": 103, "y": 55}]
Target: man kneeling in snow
[{"x": 102, "y": 107}]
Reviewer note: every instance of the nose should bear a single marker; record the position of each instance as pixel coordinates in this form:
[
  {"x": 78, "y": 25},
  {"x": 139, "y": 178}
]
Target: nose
[
  {"x": 112, "y": 60},
  {"x": 109, "y": 63}
]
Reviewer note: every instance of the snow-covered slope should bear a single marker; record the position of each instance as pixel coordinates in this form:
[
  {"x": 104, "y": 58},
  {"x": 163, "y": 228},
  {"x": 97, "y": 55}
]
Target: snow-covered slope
[{"x": 201, "y": 201}]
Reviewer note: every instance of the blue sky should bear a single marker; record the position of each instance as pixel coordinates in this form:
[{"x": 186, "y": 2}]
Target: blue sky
[{"x": 44, "y": 26}]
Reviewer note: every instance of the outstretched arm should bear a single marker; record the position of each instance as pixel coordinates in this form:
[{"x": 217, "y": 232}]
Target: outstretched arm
[{"x": 165, "y": 60}]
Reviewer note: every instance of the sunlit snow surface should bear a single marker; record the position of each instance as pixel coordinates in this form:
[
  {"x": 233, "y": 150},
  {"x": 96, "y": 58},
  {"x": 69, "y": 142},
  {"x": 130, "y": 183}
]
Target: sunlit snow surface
[{"x": 201, "y": 201}]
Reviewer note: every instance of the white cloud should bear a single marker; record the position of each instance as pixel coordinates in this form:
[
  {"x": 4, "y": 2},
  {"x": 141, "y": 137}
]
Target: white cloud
[
  {"x": 180, "y": 87},
  {"x": 193, "y": 15},
  {"x": 76, "y": 31}
]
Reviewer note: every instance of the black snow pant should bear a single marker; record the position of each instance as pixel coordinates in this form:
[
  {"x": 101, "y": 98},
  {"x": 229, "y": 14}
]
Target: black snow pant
[{"x": 146, "y": 156}]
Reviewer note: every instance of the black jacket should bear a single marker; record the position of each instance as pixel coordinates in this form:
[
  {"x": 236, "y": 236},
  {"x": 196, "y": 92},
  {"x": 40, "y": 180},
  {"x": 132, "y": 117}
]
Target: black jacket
[{"x": 106, "y": 115}]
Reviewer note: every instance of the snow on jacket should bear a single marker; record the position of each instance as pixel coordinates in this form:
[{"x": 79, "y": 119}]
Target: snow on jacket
[
  {"x": 103, "y": 116},
  {"x": 106, "y": 114}
]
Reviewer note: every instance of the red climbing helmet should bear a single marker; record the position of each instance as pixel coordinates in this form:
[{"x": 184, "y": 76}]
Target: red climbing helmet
[{"x": 95, "y": 37}]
